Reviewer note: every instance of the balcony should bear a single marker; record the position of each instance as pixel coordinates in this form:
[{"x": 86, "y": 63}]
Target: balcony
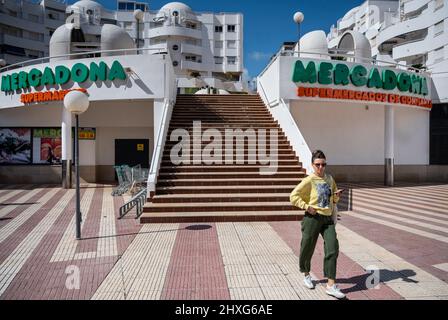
[
  {"x": 347, "y": 22},
  {"x": 23, "y": 43},
  {"x": 22, "y": 23},
  {"x": 191, "y": 65},
  {"x": 423, "y": 21},
  {"x": 409, "y": 48},
  {"x": 165, "y": 31},
  {"x": 191, "y": 49},
  {"x": 414, "y": 5}
]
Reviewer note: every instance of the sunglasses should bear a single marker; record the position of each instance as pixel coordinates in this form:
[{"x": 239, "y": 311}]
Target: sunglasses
[{"x": 320, "y": 164}]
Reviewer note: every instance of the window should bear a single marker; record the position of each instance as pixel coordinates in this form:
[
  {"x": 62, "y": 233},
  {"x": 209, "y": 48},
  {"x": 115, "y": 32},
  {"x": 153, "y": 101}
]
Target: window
[
  {"x": 218, "y": 44},
  {"x": 13, "y": 13},
  {"x": 438, "y": 28},
  {"x": 438, "y": 55},
  {"x": 121, "y": 5},
  {"x": 190, "y": 58},
  {"x": 231, "y": 28},
  {"x": 127, "y": 25},
  {"x": 34, "y": 36},
  {"x": 50, "y": 32},
  {"x": 231, "y": 60},
  {"x": 140, "y": 6},
  {"x": 219, "y": 60},
  {"x": 190, "y": 25},
  {"x": 218, "y": 28},
  {"x": 130, "y": 6},
  {"x": 231, "y": 44},
  {"x": 175, "y": 47},
  {"x": 175, "y": 63},
  {"x": 33, "y": 18},
  {"x": 53, "y": 16}
]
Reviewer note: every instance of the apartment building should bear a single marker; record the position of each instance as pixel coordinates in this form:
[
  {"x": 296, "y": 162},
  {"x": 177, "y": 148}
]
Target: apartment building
[
  {"x": 206, "y": 47},
  {"x": 412, "y": 33},
  {"x": 26, "y": 28}
]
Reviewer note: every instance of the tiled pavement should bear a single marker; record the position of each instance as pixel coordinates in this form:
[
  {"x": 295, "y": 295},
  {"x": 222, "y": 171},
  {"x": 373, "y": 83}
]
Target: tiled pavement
[{"x": 400, "y": 233}]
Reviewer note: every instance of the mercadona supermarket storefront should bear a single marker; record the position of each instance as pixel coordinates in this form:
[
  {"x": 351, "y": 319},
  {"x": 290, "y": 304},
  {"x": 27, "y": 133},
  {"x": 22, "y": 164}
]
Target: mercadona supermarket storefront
[
  {"x": 372, "y": 121},
  {"x": 127, "y": 94}
]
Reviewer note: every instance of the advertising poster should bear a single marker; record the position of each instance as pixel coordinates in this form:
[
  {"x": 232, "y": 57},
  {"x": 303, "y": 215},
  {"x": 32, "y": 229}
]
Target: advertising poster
[
  {"x": 15, "y": 146},
  {"x": 47, "y": 146}
]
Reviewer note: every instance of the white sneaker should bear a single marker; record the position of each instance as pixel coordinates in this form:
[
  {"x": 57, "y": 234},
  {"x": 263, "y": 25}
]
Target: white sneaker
[
  {"x": 335, "y": 292},
  {"x": 308, "y": 281}
]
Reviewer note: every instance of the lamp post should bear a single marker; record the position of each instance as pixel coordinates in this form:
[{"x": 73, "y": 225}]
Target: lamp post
[
  {"x": 77, "y": 102},
  {"x": 138, "y": 15},
  {"x": 298, "y": 18}
]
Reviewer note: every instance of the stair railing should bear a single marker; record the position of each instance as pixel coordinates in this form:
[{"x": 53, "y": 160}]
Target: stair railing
[{"x": 159, "y": 146}]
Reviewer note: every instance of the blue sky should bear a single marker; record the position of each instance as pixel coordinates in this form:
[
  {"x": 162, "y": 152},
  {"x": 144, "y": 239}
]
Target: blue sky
[{"x": 267, "y": 23}]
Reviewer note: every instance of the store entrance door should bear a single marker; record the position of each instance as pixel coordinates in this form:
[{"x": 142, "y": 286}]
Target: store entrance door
[{"x": 132, "y": 152}]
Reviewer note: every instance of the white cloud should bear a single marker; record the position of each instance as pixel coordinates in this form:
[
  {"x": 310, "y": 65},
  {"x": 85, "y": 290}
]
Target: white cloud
[{"x": 259, "y": 56}]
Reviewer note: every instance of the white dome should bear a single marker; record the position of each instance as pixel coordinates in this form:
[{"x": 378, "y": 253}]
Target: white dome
[
  {"x": 356, "y": 42},
  {"x": 87, "y": 5},
  {"x": 176, "y": 6},
  {"x": 314, "y": 44},
  {"x": 114, "y": 38},
  {"x": 60, "y": 41}
]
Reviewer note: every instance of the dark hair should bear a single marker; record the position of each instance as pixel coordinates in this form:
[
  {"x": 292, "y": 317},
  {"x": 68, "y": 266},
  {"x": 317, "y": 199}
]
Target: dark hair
[{"x": 317, "y": 154}]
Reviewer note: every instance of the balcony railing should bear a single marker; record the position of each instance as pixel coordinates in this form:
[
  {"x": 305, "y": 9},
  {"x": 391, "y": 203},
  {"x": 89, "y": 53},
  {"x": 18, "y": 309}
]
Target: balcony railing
[{"x": 80, "y": 56}]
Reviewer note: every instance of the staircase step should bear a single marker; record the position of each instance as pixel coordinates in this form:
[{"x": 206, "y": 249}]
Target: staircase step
[
  {"x": 226, "y": 189},
  {"x": 220, "y": 216},
  {"x": 217, "y": 168},
  {"x": 221, "y": 197},
  {"x": 219, "y": 206},
  {"x": 232, "y": 174},
  {"x": 235, "y": 182}
]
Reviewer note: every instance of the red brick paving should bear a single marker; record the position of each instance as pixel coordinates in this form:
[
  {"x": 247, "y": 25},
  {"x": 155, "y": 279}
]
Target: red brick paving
[
  {"x": 196, "y": 269},
  {"x": 351, "y": 277}
]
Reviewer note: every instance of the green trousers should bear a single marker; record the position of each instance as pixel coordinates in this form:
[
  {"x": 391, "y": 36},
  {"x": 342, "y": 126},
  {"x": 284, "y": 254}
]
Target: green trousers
[{"x": 312, "y": 226}]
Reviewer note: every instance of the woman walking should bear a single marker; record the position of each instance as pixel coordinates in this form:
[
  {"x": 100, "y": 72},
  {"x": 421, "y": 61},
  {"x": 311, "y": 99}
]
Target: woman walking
[{"x": 317, "y": 194}]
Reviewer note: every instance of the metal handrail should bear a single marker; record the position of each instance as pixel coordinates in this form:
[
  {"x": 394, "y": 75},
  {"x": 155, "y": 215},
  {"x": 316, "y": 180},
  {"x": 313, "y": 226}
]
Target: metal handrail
[
  {"x": 42, "y": 60},
  {"x": 344, "y": 55},
  {"x": 137, "y": 201}
]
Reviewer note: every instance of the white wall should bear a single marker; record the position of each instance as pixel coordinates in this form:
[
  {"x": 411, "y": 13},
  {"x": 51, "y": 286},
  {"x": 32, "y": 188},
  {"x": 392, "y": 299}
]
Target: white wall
[
  {"x": 411, "y": 136},
  {"x": 105, "y": 143},
  {"x": 348, "y": 134},
  {"x": 144, "y": 81}
]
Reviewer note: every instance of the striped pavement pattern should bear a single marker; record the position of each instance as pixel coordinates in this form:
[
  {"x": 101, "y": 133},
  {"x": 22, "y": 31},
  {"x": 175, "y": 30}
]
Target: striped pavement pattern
[{"x": 402, "y": 231}]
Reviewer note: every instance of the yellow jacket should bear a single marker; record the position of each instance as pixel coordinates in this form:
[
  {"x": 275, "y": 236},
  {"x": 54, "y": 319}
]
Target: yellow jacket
[{"x": 316, "y": 192}]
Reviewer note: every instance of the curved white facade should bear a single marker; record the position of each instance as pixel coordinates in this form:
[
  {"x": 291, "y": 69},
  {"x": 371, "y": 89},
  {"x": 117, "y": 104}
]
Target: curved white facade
[{"x": 415, "y": 34}]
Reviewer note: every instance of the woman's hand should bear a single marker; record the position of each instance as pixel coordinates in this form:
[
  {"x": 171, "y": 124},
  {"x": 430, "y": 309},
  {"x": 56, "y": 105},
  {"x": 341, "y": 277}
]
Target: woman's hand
[{"x": 311, "y": 211}]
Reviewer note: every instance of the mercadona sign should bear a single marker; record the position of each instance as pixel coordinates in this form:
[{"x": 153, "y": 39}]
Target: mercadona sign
[
  {"x": 378, "y": 85},
  {"x": 60, "y": 75}
]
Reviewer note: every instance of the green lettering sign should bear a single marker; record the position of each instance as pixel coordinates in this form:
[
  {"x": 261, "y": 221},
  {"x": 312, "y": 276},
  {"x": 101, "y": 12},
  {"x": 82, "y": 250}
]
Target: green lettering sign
[
  {"x": 98, "y": 72},
  {"x": 389, "y": 80},
  {"x": 34, "y": 77},
  {"x": 375, "y": 80},
  {"x": 358, "y": 75},
  {"x": 301, "y": 74},
  {"x": 61, "y": 74},
  {"x": 6, "y": 83},
  {"x": 341, "y": 74},
  {"x": 324, "y": 74},
  {"x": 116, "y": 71},
  {"x": 79, "y": 72},
  {"x": 47, "y": 77}
]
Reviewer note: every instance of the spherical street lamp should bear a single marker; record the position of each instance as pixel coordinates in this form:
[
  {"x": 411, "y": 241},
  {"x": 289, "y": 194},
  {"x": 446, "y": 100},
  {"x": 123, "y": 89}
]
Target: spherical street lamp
[
  {"x": 298, "y": 18},
  {"x": 138, "y": 15},
  {"x": 77, "y": 102}
]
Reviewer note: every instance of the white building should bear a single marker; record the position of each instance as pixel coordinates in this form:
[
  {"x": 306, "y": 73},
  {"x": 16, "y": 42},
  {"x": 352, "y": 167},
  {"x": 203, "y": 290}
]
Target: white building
[
  {"x": 368, "y": 18},
  {"x": 26, "y": 28},
  {"x": 409, "y": 32},
  {"x": 206, "y": 48}
]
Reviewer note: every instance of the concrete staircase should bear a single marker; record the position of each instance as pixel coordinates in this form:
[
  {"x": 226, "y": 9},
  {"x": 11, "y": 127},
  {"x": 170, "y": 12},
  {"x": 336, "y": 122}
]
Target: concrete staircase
[{"x": 224, "y": 192}]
